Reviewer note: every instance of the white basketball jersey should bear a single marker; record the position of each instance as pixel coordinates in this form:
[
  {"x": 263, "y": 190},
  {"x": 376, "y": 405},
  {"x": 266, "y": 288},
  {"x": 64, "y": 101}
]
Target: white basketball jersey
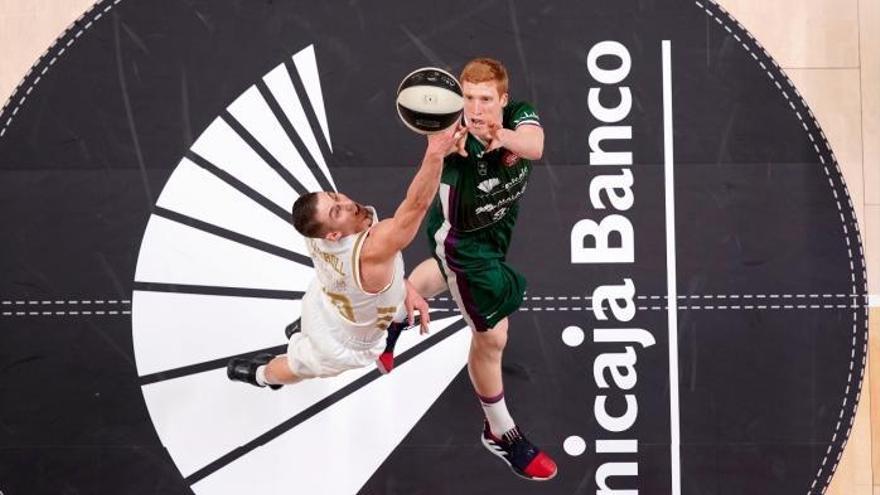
[{"x": 337, "y": 266}]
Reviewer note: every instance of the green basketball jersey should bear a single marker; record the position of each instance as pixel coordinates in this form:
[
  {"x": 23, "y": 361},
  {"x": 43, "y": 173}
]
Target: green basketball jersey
[{"x": 483, "y": 187}]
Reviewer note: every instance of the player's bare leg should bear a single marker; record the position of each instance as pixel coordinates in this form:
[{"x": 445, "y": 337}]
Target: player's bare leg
[
  {"x": 501, "y": 436},
  {"x": 427, "y": 279},
  {"x": 484, "y": 361},
  {"x": 278, "y": 372}
]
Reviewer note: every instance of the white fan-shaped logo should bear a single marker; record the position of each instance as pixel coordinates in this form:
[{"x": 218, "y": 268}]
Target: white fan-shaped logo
[{"x": 221, "y": 272}]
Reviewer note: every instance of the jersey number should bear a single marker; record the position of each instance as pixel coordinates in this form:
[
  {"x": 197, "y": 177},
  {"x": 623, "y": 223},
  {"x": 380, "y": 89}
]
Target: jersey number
[{"x": 343, "y": 304}]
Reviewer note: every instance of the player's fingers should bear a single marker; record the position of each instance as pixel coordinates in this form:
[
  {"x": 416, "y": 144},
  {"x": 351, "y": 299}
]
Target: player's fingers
[
  {"x": 410, "y": 311},
  {"x": 460, "y": 145},
  {"x": 426, "y": 319},
  {"x": 452, "y": 132},
  {"x": 455, "y": 138}
]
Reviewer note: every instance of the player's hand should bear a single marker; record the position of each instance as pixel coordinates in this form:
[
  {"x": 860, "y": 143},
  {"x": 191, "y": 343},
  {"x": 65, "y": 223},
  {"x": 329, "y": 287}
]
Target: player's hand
[
  {"x": 489, "y": 131},
  {"x": 494, "y": 136},
  {"x": 446, "y": 141},
  {"x": 415, "y": 302}
]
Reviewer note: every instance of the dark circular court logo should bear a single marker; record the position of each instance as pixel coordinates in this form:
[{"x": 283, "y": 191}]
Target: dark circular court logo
[{"x": 696, "y": 315}]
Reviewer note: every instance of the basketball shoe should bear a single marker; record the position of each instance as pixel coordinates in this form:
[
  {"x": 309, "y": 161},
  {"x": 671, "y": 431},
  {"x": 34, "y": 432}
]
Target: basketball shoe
[
  {"x": 245, "y": 369},
  {"x": 524, "y": 459}
]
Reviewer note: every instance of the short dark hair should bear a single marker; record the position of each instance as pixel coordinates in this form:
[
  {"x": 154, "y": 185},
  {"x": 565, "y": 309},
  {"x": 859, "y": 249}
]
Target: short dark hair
[{"x": 303, "y": 216}]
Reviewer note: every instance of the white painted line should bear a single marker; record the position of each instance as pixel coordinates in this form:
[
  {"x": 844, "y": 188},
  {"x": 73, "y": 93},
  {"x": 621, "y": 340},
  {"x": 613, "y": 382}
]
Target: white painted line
[{"x": 671, "y": 286}]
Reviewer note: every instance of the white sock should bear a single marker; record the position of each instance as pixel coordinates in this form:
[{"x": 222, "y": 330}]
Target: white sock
[
  {"x": 261, "y": 376},
  {"x": 496, "y": 413}
]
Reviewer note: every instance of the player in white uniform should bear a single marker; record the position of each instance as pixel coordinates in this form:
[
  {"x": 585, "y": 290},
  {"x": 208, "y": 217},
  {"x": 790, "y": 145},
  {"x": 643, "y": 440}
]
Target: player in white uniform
[
  {"x": 359, "y": 287},
  {"x": 343, "y": 323}
]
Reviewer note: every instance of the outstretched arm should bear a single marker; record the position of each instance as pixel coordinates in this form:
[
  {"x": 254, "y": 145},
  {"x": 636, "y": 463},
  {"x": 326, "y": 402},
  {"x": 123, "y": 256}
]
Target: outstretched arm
[
  {"x": 392, "y": 235},
  {"x": 526, "y": 141}
]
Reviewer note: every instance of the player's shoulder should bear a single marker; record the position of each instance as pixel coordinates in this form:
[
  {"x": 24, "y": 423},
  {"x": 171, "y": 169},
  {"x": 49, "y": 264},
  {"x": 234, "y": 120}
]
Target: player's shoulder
[
  {"x": 380, "y": 229},
  {"x": 517, "y": 113},
  {"x": 375, "y": 240}
]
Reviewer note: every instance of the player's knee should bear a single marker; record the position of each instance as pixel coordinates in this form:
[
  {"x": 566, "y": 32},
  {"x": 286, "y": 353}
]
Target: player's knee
[{"x": 491, "y": 341}]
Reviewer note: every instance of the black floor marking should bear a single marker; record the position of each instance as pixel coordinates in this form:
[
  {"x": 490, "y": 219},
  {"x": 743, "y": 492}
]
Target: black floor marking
[
  {"x": 319, "y": 406},
  {"x": 263, "y": 153},
  {"x": 213, "y": 364},
  {"x": 211, "y": 290},
  {"x": 238, "y": 185},
  {"x": 293, "y": 136},
  {"x": 232, "y": 236},
  {"x": 311, "y": 115}
]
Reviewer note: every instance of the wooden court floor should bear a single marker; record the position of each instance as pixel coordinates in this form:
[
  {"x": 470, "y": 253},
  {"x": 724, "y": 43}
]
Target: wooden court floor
[{"x": 829, "y": 48}]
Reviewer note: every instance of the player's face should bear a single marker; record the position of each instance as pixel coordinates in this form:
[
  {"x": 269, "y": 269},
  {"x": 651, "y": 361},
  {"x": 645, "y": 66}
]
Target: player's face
[
  {"x": 341, "y": 216},
  {"x": 482, "y": 104}
]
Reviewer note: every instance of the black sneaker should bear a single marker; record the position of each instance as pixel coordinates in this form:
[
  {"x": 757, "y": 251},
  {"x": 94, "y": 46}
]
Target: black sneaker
[
  {"x": 291, "y": 329},
  {"x": 245, "y": 369},
  {"x": 526, "y": 460}
]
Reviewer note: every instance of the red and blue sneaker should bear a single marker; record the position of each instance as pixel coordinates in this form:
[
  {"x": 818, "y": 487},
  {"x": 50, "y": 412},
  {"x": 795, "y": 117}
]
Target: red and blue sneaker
[
  {"x": 526, "y": 460},
  {"x": 385, "y": 362}
]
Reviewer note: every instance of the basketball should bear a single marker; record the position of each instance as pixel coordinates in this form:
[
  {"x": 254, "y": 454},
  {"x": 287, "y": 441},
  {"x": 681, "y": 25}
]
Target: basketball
[{"x": 429, "y": 100}]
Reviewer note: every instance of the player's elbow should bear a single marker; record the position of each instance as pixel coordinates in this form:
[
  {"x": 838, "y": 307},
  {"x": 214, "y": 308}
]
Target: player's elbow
[{"x": 534, "y": 154}]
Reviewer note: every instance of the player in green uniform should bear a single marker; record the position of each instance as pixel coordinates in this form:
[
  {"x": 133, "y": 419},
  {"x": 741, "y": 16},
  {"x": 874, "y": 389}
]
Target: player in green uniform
[{"x": 469, "y": 228}]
